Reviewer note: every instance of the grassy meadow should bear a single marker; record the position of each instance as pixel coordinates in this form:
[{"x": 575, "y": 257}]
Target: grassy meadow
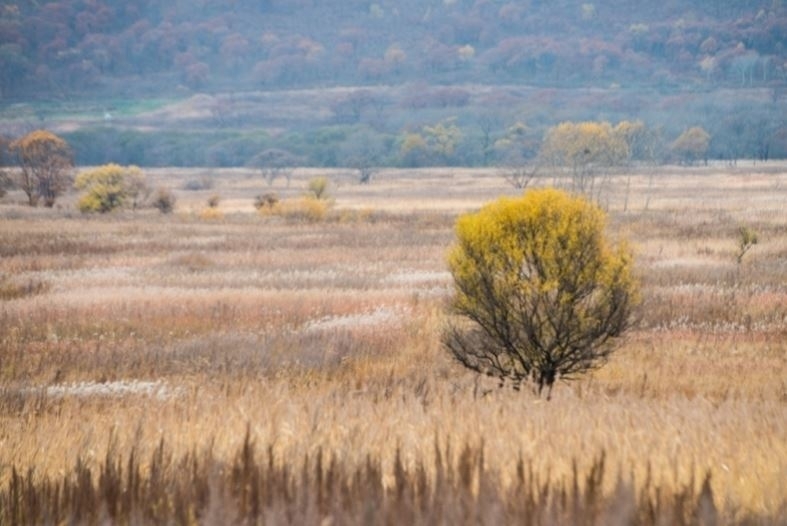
[{"x": 241, "y": 367}]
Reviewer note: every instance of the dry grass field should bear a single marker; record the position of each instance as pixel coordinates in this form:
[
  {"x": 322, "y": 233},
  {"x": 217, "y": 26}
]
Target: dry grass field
[{"x": 234, "y": 367}]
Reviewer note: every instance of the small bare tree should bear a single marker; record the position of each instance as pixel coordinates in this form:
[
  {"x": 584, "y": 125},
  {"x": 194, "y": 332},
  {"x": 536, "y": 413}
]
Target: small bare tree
[
  {"x": 275, "y": 163},
  {"x": 362, "y": 152},
  {"x": 519, "y": 176},
  {"x": 164, "y": 200}
]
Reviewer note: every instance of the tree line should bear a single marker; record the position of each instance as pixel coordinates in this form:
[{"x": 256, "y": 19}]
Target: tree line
[
  {"x": 45, "y": 164},
  {"x": 443, "y": 142}
]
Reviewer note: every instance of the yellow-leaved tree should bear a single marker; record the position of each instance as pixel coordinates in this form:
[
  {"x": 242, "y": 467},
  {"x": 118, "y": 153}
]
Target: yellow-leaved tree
[
  {"x": 692, "y": 145},
  {"x": 540, "y": 294},
  {"x": 46, "y": 162},
  {"x": 111, "y": 186},
  {"x": 584, "y": 147}
]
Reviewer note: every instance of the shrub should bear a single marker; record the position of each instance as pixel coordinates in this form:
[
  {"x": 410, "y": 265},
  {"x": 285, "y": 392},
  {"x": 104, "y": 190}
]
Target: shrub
[
  {"x": 109, "y": 187},
  {"x": 747, "y": 238},
  {"x": 318, "y": 187},
  {"x": 306, "y": 209},
  {"x": 211, "y": 214},
  {"x": 194, "y": 185},
  {"x": 542, "y": 293},
  {"x": 311, "y": 209},
  {"x": 266, "y": 201},
  {"x": 11, "y": 289},
  {"x": 164, "y": 201}
]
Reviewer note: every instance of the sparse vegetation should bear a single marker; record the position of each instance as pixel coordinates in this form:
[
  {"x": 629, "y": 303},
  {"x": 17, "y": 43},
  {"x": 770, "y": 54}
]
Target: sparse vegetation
[
  {"x": 520, "y": 177},
  {"x": 274, "y": 163},
  {"x": 747, "y": 238},
  {"x": 318, "y": 187},
  {"x": 164, "y": 201},
  {"x": 11, "y": 289},
  {"x": 211, "y": 213},
  {"x": 201, "y": 183},
  {"x": 266, "y": 201},
  {"x": 308, "y": 209}
]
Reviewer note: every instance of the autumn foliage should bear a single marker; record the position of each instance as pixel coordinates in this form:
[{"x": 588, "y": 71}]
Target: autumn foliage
[
  {"x": 45, "y": 161},
  {"x": 109, "y": 187},
  {"x": 692, "y": 145},
  {"x": 541, "y": 293},
  {"x": 584, "y": 148}
]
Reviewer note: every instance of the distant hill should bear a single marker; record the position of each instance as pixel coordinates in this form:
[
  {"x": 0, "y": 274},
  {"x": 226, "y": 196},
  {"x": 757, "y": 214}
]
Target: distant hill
[{"x": 66, "y": 47}]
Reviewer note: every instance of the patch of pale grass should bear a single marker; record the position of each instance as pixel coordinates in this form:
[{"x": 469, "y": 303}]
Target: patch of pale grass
[
  {"x": 379, "y": 318},
  {"x": 115, "y": 389}
]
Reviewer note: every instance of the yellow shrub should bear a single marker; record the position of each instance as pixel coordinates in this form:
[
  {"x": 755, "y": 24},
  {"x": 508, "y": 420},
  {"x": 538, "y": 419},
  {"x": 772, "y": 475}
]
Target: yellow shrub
[
  {"x": 308, "y": 209},
  {"x": 109, "y": 187},
  {"x": 211, "y": 214}
]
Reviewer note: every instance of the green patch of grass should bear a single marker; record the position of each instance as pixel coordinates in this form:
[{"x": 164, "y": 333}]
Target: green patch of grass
[{"x": 79, "y": 110}]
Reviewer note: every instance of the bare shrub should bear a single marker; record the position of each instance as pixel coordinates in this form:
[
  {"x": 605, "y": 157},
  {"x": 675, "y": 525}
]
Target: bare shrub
[
  {"x": 164, "y": 201},
  {"x": 266, "y": 201},
  {"x": 519, "y": 176},
  {"x": 12, "y": 289},
  {"x": 195, "y": 185}
]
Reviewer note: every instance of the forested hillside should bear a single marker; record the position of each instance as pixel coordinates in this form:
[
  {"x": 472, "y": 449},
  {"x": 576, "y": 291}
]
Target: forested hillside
[
  {"x": 56, "y": 47},
  {"x": 407, "y": 83}
]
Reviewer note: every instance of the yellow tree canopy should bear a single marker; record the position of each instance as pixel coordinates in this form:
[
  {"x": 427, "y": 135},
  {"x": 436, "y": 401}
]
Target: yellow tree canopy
[
  {"x": 39, "y": 146},
  {"x": 547, "y": 292},
  {"x": 579, "y": 144},
  {"x": 109, "y": 187},
  {"x": 46, "y": 161},
  {"x": 692, "y": 145}
]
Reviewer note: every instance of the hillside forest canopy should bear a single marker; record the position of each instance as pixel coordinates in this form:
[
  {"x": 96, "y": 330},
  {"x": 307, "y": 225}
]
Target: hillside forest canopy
[{"x": 408, "y": 83}]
